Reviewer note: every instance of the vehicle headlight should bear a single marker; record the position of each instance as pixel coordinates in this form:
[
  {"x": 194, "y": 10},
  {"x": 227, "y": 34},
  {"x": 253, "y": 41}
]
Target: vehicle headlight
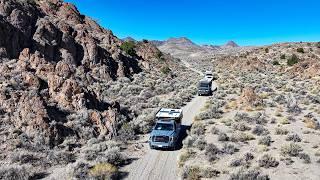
[{"x": 171, "y": 138}]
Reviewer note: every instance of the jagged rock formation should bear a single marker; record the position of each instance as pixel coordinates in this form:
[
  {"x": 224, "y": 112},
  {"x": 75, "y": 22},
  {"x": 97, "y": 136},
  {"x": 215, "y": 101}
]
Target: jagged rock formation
[{"x": 50, "y": 55}]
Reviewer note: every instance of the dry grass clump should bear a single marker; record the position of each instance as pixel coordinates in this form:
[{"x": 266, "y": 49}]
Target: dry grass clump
[
  {"x": 246, "y": 174},
  {"x": 267, "y": 161},
  {"x": 196, "y": 173},
  {"x": 241, "y": 137},
  {"x": 281, "y": 131},
  {"x": 311, "y": 123},
  {"x": 291, "y": 149},
  {"x": 104, "y": 171}
]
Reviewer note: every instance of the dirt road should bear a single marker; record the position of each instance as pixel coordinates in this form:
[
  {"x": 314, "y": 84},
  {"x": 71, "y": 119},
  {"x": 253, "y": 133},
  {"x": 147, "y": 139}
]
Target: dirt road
[{"x": 162, "y": 165}]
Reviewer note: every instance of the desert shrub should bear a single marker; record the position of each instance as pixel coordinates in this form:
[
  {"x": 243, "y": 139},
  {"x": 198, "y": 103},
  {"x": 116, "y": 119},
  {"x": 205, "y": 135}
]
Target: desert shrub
[
  {"x": 259, "y": 118},
  {"x": 191, "y": 173},
  {"x": 260, "y": 130},
  {"x": 129, "y": 48},
  {"x": 267, "y": 161},
  {"x": 104, "y": 171},
  {"x": 242, "y": 117},
  {"x": 305, "y": 157},
  {"x": 251, "y": 174},
  {"x": 24, "y": 157},
  {"x": 126, "y": 133},
  {"x": 200, "y": 143},
  {"x": 266, "y": 50},
  {"x": 211, "y": 152},
  {"x": 248, "y": 156},
  {"x": 15, "y": 172},
  {"x": 212, "y": 112},
  {"x": 293, "y": 60},
  {"x": 60, "y": 157},
  {"x": 281, "y": 99},
  {"x": 184, "y": 156},
  {"x": 300, "y": 50},
  {"x": 241, "y": 126},
  {"x": 214, "y": 130},
  {"x": 293, "y": 137},
  {"x": 189, "y": 141},
  {"x": 241, "y": 137},
  {"x": 235, "y": 162},
  {"x": 292, "y": 105},
  {"x": 318, "y": 45},
  {"x": 165, "y": 70},
  {"x": 265, "y": 140},
  {"x": 209, "y": 172},
  {"x": 281, "y": 131},
  {"x": 112, "y": 156},
  {"x": 198, "y": 129},
  {"x": 145, "y": 121},
  {"x": 229, "y": 149},
  {"x": 223, "y": 137},
  {"x": 276, "y": 63},
  {"x": 291, "y": 149},
  {"x": 283, "y": 56}
]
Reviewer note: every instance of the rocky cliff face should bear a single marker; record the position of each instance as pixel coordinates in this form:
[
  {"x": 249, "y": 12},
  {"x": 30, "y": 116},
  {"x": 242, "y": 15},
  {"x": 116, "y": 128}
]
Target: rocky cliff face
[{"x": 50, "y": 54}]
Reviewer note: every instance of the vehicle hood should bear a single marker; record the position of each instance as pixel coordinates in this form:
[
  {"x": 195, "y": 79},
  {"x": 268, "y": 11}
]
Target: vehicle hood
[
  {"x": 161, "y": 133},
  {"x": 203, "y": 88}
]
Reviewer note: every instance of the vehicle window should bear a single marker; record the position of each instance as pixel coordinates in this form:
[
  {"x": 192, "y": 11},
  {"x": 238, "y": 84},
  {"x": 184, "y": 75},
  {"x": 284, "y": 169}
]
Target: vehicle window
[
  {"x": 165, "y": 127},
  {"x": 203, "y": 85}
]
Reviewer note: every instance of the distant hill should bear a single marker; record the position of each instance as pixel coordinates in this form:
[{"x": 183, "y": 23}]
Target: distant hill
[
  {"x": 129, "y": 39},
  {"x": 183, "y": 46}
]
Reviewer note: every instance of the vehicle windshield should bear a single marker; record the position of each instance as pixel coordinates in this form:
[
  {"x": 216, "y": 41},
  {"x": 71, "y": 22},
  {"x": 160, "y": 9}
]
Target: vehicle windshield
[
  {"x": 164, "y": 127},
  {"x": 208, "y": 74},
  {"x": 203, "y": 85}
]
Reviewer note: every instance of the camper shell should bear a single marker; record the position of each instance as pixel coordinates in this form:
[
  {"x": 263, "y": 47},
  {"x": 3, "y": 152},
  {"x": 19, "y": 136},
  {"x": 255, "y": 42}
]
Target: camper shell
[
  {"x": 205, "y": 87},
  {"x": 166, "y": 131}
]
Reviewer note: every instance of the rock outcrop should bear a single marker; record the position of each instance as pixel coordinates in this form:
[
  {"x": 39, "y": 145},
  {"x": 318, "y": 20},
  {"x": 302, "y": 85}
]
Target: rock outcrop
[{"x": 50, "y": 54}]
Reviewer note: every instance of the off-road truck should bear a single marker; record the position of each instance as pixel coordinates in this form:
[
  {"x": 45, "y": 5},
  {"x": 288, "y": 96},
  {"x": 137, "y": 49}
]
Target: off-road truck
[{"x": 166, "y": 132}]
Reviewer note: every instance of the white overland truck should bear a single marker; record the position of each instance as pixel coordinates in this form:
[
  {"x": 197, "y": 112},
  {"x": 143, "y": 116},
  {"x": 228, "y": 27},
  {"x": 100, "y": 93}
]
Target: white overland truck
[
  {"x": 166, "y": 132},
  {"x": 209, "y": 76}
]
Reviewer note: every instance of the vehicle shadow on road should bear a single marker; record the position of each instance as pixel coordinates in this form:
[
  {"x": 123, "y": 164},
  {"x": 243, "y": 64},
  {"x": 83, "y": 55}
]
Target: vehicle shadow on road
[{"x": 183, "y": 135}]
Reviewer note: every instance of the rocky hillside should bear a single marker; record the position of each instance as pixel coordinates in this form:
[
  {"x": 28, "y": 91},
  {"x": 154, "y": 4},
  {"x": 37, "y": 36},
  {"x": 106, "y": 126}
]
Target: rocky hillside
[
  {"x": 263, "y": 121},
  {"x": 66, "y": 84}
]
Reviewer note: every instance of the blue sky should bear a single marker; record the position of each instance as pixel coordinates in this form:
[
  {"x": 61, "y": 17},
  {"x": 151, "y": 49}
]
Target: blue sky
[{"x": 247, "y": 22}]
